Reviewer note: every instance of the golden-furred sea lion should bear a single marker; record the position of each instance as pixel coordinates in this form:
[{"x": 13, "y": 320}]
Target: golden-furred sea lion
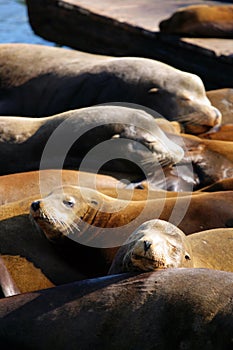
[
  {"x": 81, "y": 220},
  {"x": 201, "y": 21},
  {"x": 7, "y": 284},
  {"x": 13, "y": 187},
  {"x": 157, "y": 244},
  {"x": 43, "y": 81},
  {"x": 225, "y": 133},
  {"x": 25, "y": 274},
  {"x": 223, "y": 100}
]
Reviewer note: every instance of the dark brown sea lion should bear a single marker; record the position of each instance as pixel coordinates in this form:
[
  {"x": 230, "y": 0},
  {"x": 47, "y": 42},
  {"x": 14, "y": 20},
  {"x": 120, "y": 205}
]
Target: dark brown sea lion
[
  {"x": 204, "y": 163},
  {"x": 81, "y": 220},
  {"x": 113, "y": 137},
  {"x": 157, "y": 244},
  {"x": 223, "y": 100},
  {"x": 169, "y": 309},
  {"x": 201, "y": 21},
  {"x": 59, "y": 80}
]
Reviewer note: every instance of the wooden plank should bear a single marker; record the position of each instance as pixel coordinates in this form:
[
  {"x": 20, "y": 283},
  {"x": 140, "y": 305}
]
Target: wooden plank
[{"x": 130, "y": 28}]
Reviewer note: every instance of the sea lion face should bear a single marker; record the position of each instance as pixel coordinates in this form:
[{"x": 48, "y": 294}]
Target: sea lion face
[
  {"x": 162, "y": 149},
  {"x": 157, "y": 244},
  {"x": 189, "y": 104},
  {"x": 68, "y": 211}
]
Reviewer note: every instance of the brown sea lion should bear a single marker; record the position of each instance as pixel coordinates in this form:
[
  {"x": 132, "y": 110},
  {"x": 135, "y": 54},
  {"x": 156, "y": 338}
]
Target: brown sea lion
[
  {"x": 168, "y": 309},
  {"x": 223, "y": 100},
  {"x": 59, "y": 80},
  {"x": 201, "y": 21},
  {"x": 157, "y": 244},
  {"x": 25, "y": 275},
  {"x": 113, "y": 137},
  {"x": 21, "y": 244},
  {"x": 29, "y": 182},
  {"x": 222, "y": 185},
  {"x": 81, "y": 220},
  {"x": 7, "y": 283},
  {"x": 225, "y": 133},
  {"x": 204, "y": 163}
]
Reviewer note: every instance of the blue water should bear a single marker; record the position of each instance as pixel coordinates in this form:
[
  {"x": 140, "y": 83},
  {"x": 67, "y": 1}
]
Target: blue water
[{"x": 14, "y": 25}]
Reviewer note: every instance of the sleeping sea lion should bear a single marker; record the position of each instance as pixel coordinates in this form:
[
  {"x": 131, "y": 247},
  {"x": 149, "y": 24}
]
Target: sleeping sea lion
[
  {"x": 167, "y": 309},
  {"x": 29, "y": 182},
  {"x": 201, "y": 21},
  {"x": 126, "y": 139},
  {"x": 43, "y": 81},
  {"x": 157, "y": 244}
]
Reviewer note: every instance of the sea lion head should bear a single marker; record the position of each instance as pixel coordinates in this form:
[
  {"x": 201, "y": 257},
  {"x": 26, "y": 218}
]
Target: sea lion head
[
  {"x": 68, "y": 210},
  {"x": 156, "y": 244},
  {"x": 183, "y": 99},
  {"x": 163, "y": 151}
]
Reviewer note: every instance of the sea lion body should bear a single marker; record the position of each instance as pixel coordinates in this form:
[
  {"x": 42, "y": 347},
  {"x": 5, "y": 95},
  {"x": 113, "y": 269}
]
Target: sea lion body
[
  {"x": 21, "y": 244},
  {"x": 201, "y": 20},
  {"x": 223, "y": 100},
  {"x": 29, "y": 182},
  {"x": 81, "y": 220},
  {"x": 8, "y": 287},
  {"x": 204, "y": 163},
  {"x": 59, "y": 80},
  {"x": 158, "y": 244},
  {"x": 222, "y": 185},
  {"x": 32, "y": 143},
  {"x": 25, "y": 275},
  {"x": 169, "y": 309}
]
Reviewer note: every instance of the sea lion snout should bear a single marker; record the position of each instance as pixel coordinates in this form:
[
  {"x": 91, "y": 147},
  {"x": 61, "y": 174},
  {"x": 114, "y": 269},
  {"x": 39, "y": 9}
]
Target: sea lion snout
[{"x": 35, "y": 206}]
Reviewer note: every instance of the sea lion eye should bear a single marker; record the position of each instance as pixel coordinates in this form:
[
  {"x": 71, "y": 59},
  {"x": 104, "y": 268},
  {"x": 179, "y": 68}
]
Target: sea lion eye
[
  {"x": 187, "y": 257},
  {"x": 94, "y": 202},
  {"x": 69, "y": 202}
]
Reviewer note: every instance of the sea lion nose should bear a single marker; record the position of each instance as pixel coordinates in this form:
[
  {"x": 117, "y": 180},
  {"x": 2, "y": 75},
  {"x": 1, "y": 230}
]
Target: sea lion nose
[
  {"x": 35, "y": 205},
  {"x": 147, "y": 245}
]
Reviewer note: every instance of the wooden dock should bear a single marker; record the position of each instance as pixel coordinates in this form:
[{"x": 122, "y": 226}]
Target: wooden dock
[{"x": 130, "y": 28}]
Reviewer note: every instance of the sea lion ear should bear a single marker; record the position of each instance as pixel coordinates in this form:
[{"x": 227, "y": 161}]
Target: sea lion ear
[{"x": 153, "y": 90}]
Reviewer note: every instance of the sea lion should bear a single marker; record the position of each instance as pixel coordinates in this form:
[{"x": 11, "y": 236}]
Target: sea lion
[
  {"x": 29, "y": 182},
  {"x": 21, "y": 244},
  {"x": 25, "y": 275},
  {"x": 158, "y": 244},
  {"x": 222, "y": 185},
  {"x": 225, "y": 133},
  {"x": 59, "y": 80},
  {"x": 7, "y": 284},
  {"x": 126, "y": 139},
  {"x": 80, "y": 220},
  {"x": 167, "y": 309},
  {"x": 201, "y": 21},
  {"x": 223, "y": 100},
  {"x": 204, "y": 163}
]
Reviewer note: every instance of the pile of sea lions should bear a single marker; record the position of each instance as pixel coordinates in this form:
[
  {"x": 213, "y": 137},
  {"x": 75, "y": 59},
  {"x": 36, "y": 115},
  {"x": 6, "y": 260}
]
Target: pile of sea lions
[{"x": 116, "y": 203}]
